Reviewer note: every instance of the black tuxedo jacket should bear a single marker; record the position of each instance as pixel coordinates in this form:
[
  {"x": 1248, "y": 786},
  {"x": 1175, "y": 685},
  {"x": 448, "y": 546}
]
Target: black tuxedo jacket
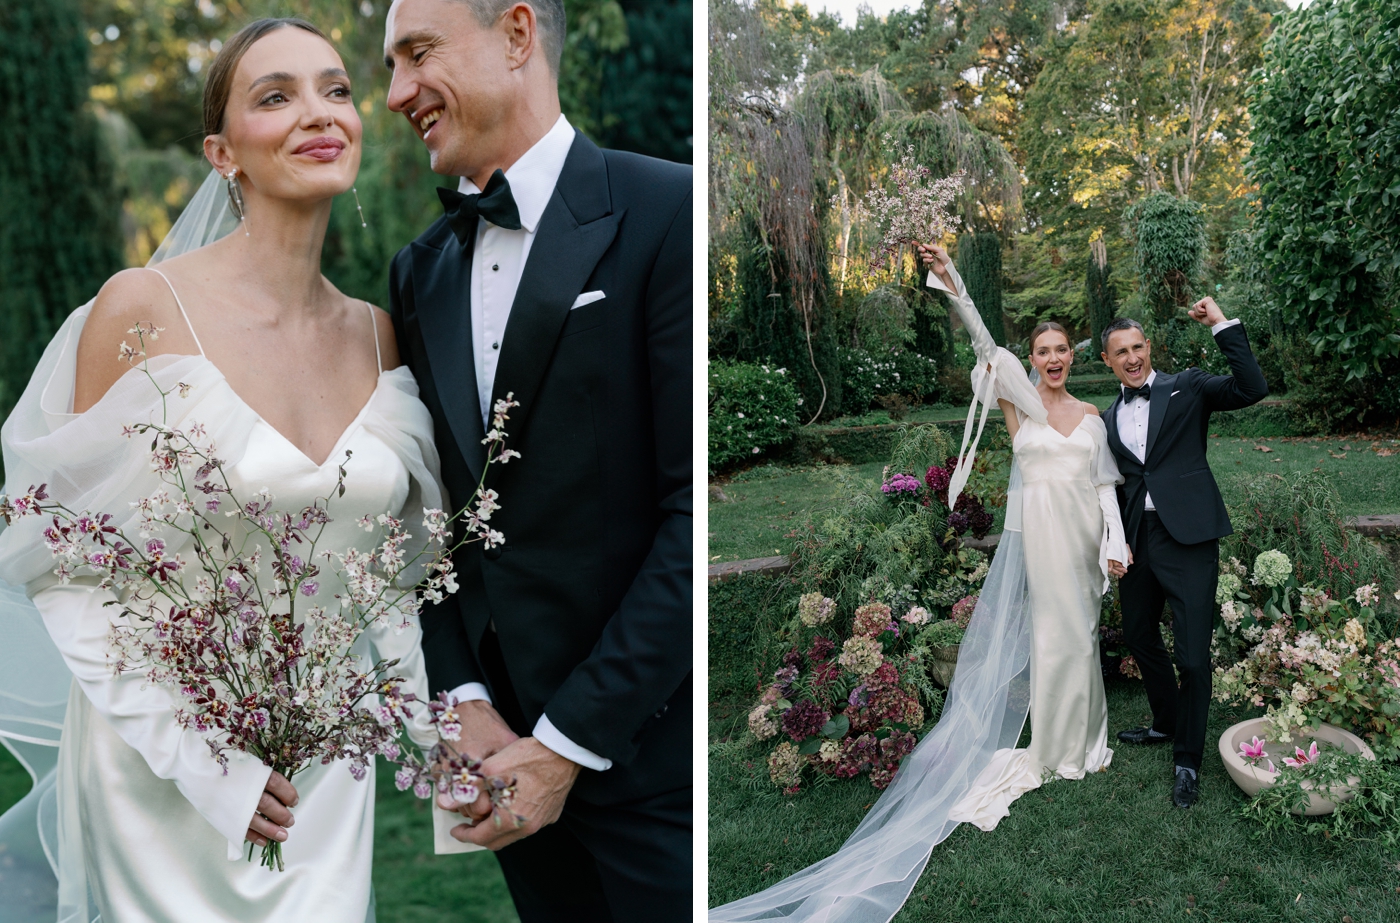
[
  {"x": 591, "y": 593},
  {"x": 1175, "y": 470}
]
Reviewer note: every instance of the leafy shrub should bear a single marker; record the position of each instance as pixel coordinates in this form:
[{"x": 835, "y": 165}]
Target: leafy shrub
[
  {"x": 1325, "y": 153},
  {"x": 753, "y": 408},
  {"x": 1299, "y": 516},
  {"x": 865, "y": 376},
  {"x": 886, "y": 546}
]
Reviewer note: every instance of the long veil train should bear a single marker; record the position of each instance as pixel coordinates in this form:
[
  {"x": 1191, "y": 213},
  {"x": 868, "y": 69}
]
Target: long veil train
[
  {"x": 870, "y": 877},
  {"x": 35, "y": 682}
]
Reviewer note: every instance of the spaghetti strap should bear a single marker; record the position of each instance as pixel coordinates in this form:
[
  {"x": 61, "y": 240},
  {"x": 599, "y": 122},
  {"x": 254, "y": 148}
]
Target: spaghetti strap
[
  {"x": 374, "y": 325},
  {"x": 179, "y": 305}
]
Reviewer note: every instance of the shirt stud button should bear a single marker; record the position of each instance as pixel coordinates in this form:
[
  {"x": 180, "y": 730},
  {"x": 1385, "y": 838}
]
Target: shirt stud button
[
  {"x": 495, "y": 267},
  {"x": 495, "y": 345}
]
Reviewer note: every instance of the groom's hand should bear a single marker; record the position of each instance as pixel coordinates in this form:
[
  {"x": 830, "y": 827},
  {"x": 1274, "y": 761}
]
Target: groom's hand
[
  {"x": 484, "y": 732},
  {"x": 543, "y": 779},
  {"x": 1207, "y": 312}
]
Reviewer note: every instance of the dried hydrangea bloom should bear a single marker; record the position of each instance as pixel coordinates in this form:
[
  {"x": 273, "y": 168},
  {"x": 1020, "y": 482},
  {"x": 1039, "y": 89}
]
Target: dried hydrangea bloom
[
  {"x": 861, "y": 656},
  {"x": 814, "y": 609},
  {"x": 873, "y": 618},
  {"x": 785, "y": 767}
]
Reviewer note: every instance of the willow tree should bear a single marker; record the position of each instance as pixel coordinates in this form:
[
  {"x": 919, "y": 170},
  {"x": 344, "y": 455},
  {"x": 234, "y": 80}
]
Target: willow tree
[
  {"x": 766, "y": 213},
  {"x": 59, "y": 234}
]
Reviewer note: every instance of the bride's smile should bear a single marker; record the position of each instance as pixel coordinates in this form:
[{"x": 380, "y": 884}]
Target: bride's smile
[{"x": 290, "y": 126}]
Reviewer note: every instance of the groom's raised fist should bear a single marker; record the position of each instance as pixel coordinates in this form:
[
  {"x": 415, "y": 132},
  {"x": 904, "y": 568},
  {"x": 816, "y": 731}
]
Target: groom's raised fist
[{"x": 1207, "y": 312}]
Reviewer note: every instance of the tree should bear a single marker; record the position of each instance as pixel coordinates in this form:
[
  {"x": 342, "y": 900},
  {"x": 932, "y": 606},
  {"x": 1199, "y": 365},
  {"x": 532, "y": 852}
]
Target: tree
[
  {"x": 1099, "y": 293},
  {"x": 1137, "y": 96},
  {"x": 59, "y": 237},
  {"x": 979, "y": 263},
  {"x": 1170, "y": 236}
]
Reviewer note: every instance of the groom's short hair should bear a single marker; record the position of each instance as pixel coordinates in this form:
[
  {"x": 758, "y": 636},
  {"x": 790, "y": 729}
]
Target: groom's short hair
[
  {"x": 549, "y": 17},
  {"x": 1120, "y": 323}
]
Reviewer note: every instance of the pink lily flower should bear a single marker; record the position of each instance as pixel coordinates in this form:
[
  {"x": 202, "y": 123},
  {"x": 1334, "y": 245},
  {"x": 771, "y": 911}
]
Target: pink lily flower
[
  {"x": 1253, "y": 752},
  {"x": 1301, "y": 757}
]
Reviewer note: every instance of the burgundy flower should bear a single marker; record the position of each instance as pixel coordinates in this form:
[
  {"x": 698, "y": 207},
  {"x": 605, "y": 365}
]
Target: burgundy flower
[
  {"x": 793, "y": 658},
  {"x": 822, "y": 648},
  {"x": 805, "y": 719}
]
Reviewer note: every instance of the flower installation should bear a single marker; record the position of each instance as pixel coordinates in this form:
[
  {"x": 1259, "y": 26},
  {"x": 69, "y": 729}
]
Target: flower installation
[
  {"x": 850, "y": 695},
  {"x": 1304, "y": 656},
  {"x": 209, "y": 591}
]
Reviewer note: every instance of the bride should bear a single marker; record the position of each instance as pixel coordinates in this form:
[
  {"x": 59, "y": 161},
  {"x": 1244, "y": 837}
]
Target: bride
[
  {"x": 137, "y": 820},
  {"x": 1032, "y": 645}
]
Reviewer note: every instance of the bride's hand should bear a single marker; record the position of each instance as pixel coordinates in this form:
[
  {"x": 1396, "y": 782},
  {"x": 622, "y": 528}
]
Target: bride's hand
[
  {"x": 938, "y": 260},
  {"x": 273, "y": 816}
]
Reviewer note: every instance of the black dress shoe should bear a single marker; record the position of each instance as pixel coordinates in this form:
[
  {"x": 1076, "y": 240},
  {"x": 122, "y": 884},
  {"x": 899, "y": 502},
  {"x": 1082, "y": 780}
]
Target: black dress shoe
[
  {"x": 1186, "y": 789},
  {"x": 1141, "y": 736}
]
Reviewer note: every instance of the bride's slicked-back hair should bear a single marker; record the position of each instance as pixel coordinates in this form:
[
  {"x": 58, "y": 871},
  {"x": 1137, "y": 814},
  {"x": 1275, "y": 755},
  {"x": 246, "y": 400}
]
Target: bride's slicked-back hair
[
  {"x": 1046, "y": 327},
  {"x": 549, "y": 17},
  {"x": 220, "y": 81}
]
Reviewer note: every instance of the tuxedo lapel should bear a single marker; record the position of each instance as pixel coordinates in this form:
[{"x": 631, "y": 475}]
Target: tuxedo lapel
[
  {"x": 1110, "y": 422},
  {"x": 576, "y": 229},
  {"x": 1157, "y": 411},
  {"x": 442, "y": 287}
]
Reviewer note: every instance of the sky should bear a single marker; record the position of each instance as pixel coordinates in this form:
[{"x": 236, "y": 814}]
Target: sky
[{"x": 846, "y": 9}]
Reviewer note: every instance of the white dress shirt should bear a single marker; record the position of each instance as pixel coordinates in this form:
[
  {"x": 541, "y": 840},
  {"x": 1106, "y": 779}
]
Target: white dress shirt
[
  {"x": 1132, "y": 419},
  {"x": 499, "y": 257},
  {"x": 497, "y": 264}
]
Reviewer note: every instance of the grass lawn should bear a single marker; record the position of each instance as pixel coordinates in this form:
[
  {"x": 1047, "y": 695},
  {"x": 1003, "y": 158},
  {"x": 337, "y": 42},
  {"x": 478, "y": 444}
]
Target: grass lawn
[
  {"x": 1110, "y": 847},
  {"x": 411, "y": 885},
  {"x": 770, "y": 501}
]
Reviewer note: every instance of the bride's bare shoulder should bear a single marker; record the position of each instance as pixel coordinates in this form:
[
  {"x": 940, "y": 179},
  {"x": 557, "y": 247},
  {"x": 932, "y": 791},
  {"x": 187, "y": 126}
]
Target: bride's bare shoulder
[
  {"x": 1090, "y": 408},
  {"x": 130, "y": 297}
]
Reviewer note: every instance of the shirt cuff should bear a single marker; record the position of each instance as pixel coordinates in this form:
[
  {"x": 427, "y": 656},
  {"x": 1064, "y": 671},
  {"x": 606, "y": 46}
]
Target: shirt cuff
[
  {"x": 1222, "y": 325},
  {"x": 546, "y": 733},
  {"x": 471, "y": 692}
]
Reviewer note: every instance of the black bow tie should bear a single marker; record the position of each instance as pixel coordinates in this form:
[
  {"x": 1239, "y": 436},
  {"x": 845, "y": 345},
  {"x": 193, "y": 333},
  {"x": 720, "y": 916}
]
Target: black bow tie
[
  {"x": 1129, "y": 394},
  {"x": 494, "y": 203}
]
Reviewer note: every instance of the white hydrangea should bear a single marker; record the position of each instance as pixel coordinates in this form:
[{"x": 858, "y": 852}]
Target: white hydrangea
[{"x": 1272, "y": 568}]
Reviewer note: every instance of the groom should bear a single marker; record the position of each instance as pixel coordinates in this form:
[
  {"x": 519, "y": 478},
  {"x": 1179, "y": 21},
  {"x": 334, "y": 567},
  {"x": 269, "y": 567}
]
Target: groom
[
  {"x": 559, "y": 274},
  {"x": 1174, "y": 518}
]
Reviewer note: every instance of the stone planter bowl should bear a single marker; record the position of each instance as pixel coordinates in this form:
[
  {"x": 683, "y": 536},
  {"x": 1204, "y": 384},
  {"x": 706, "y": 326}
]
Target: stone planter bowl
[
  {"x": 1254, "y": 778},
  {"x": 945, "y": 661}
]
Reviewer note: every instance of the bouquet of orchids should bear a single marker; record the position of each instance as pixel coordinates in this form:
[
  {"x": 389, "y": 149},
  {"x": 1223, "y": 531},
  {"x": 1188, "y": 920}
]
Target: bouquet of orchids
[
  {"x": 917, "y": 210},
  {"x": 251, "y": 672}
]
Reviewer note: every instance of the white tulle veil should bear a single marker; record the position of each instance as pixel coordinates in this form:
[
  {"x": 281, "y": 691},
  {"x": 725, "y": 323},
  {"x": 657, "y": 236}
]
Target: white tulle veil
[{"x": 34, "y": 681}]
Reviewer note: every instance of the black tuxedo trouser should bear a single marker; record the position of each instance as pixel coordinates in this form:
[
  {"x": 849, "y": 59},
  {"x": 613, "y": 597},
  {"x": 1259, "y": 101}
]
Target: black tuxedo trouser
[
  {"x": 1183, "y": 576},
  {"x": 621, "y": 863}
]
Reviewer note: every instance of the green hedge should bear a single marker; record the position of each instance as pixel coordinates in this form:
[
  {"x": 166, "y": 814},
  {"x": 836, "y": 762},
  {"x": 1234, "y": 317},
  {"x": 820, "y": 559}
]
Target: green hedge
[{"x": 745, "y": 613}]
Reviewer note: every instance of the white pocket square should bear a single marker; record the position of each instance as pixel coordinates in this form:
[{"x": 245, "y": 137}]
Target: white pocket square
[
  {"x": 1174, "y": 394},
  {"x": 587, "y": 298}
]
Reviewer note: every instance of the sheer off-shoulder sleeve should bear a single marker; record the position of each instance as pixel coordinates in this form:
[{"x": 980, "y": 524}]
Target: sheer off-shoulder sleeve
[
  {"x": 1104, "y": 475},
  {"x": 90, "y": 463},
  {"x": 998, "y": 375}
]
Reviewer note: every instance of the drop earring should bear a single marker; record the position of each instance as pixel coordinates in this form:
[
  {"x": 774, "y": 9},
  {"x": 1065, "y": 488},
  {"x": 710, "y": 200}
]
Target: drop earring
[
  {"x": 356, "y": 193},
  {"x": 235, "y": 199}
]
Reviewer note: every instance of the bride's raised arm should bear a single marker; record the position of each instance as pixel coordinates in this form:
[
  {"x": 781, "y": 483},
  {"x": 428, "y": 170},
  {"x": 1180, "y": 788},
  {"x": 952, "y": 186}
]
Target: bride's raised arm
[{"x": 998, "y": 374}]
